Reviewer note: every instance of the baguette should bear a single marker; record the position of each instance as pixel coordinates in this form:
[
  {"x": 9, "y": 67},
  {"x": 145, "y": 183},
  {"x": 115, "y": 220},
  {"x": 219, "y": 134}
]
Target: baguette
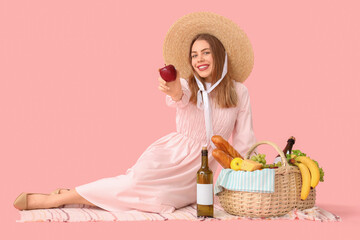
[
  {"x": 225, "y": 146},
  {"x": 222, "y": 157}
]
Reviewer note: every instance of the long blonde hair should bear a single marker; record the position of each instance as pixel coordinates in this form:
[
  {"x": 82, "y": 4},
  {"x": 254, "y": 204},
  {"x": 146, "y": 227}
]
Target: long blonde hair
[{"x": 225, "y": 93}]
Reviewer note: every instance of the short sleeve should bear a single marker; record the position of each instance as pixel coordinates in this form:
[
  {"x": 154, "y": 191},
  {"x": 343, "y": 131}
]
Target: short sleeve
[
  {"x": 243, "y": 134},
  {"x": 185, "y": 98}
]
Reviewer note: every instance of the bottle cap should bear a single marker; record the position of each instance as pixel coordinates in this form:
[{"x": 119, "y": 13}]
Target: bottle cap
[{"x": 292, "y": 139}]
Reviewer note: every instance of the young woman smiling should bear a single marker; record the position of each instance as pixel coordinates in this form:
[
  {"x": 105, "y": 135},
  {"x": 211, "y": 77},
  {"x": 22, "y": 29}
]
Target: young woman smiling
[{"x": 215, "y": 56}]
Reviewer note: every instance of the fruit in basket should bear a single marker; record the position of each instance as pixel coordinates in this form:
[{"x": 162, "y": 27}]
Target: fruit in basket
[
  {"x": 306, "y": 179},
  {"x": 244, "y": 164},
  {"x": 314, "y": 169},
  {"x": 236, "y": 164},
  {"x": 273, "y": 165},
  {"x": 259, "y": 158},
  {"x": 296, "y": 153}
]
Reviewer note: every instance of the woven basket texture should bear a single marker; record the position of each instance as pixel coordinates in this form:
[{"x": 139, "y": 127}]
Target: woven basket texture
[{"x": 285, "y": 198}]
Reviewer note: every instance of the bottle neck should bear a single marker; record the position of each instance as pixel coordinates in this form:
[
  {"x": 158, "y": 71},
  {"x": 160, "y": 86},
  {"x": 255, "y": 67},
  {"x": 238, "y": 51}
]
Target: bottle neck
[
  {"x": 204, "y": 159},
  {"x": 204, "y": 162},
  {"x": 289, "y": 146}
]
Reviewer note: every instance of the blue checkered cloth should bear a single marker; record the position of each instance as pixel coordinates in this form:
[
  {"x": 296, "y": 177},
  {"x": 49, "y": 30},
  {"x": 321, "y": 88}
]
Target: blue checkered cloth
[{"x": 262, "y": 181}]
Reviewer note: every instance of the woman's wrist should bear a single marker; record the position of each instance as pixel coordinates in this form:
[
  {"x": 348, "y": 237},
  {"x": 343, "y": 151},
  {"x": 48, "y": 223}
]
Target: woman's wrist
[{"x": 177, "y": 97}]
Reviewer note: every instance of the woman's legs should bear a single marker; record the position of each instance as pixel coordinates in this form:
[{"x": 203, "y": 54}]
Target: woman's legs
[{"x": 35, "y": 201}]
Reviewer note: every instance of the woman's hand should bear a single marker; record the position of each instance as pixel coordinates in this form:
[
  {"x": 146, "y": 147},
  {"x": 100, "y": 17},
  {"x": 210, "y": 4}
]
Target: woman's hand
[{"x": 173, "y": 89}]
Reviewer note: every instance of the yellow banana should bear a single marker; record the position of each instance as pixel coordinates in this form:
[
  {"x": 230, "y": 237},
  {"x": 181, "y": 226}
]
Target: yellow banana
[
  {"x": 306, "y": 177},
  {"x": 314, "y": 169}
]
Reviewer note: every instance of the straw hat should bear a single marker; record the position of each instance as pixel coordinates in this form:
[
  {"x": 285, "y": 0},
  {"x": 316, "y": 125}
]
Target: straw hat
[{"x": 237, "y": 45}]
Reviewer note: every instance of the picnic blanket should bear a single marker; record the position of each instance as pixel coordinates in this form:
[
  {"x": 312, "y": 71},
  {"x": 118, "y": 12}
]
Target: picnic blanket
[{"x": 83, "y": 213}]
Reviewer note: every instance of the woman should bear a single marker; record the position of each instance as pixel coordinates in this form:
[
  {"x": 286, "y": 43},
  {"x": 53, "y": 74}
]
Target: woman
[{"x": 213, "y": 101}]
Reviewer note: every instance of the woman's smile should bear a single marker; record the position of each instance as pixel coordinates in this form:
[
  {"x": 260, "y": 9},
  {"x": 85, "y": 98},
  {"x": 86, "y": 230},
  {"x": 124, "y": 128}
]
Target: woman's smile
[{"x": 203, "y": 67}]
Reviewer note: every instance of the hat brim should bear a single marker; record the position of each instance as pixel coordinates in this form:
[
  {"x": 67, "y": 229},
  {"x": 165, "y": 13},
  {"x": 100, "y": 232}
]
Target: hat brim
[{"x": 177, "y": 42}]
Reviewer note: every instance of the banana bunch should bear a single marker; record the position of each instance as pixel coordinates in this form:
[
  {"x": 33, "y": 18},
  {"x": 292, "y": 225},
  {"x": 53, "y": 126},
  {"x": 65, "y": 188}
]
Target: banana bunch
[{"x": 310, "y": 174}]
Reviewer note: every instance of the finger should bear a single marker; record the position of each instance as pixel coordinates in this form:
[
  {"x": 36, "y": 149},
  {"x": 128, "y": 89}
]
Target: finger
[
  {"x": 163, "y": 89},
  {"x": 162, "y": 80},
  {"x": 164, "y": 85}
]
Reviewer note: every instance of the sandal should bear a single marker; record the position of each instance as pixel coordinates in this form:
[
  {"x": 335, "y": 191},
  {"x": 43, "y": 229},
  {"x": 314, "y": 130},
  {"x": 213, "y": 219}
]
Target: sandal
[{"x": 57, "y": 191}]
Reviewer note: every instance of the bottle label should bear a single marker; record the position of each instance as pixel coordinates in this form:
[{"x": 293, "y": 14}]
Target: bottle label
[{"x": 204, "y": 194}]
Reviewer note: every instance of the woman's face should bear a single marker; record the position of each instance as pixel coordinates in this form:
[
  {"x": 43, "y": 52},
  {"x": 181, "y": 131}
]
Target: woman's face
[{"x": 202, "y": 59}]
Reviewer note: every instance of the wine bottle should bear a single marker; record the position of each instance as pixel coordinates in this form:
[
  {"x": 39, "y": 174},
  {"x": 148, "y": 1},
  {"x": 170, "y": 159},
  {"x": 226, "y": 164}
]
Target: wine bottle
[
  {"x": 204, "y": 191},
  {"x": 287, "y": 149}
]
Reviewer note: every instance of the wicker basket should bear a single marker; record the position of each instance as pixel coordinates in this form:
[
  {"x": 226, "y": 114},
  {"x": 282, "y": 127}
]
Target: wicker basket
[{"x": 285, "y": 197}]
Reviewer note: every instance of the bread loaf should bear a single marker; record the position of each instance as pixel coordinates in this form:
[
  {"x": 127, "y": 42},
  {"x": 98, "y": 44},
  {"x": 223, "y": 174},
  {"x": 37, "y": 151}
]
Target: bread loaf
[
  {"x": 225, "y": 146},
  {"x": 221, "y": 157}
]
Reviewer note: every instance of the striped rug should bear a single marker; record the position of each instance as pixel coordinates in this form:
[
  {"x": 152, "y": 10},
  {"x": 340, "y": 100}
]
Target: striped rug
[{"x": 82, "y": 213}]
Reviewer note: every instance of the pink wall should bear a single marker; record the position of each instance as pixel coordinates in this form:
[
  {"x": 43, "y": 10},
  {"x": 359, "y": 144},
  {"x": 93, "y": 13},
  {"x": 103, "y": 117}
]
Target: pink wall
[{"x": 79, "y": 99}]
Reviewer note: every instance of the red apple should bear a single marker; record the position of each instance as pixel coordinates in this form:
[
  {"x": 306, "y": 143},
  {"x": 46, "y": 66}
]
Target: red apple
[{"x": 168, "y": 73}]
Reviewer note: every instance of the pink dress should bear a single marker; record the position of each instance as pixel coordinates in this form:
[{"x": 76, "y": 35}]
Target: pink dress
[{"x": 164, "y": 177}]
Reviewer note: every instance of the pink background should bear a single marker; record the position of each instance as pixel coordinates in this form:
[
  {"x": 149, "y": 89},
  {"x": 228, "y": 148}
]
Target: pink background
[{"x": 79, "y": 102}]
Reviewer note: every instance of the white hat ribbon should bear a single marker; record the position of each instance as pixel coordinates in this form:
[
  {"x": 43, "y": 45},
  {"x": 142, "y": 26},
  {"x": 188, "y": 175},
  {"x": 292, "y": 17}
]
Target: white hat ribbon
[{"x": 203, "y": 102}]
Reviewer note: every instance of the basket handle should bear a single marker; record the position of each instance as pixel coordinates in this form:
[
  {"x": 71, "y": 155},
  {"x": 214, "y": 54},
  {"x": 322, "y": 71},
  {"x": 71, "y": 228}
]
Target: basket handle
[{"x": 283, "y": 158}]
